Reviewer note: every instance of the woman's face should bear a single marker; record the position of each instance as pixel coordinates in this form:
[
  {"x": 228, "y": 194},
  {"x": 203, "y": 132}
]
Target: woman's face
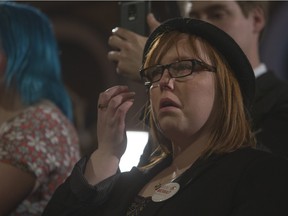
[{"x": 181, "y": 106}]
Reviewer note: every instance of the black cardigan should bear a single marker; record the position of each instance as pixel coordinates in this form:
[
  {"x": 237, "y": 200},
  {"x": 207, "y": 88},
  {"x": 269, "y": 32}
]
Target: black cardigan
[
  {"x": 245, "y": 182},
  {"x": 270, "y": 113}
]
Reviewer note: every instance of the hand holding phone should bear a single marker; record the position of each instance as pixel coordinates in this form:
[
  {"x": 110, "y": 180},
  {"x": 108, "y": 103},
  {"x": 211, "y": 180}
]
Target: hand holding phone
[{"x": 133, "y": 16}]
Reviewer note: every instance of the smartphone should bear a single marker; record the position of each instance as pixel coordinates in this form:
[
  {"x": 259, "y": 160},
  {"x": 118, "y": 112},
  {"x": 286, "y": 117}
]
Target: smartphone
[{"x": 133, "y": 16}]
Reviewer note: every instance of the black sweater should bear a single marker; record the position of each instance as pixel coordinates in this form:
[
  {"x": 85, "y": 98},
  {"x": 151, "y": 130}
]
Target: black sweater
[{"x": 245, "y": 182}]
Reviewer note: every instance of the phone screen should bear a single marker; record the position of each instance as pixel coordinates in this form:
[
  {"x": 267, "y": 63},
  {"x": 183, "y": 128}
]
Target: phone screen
[{"x": 133, "y": 16}]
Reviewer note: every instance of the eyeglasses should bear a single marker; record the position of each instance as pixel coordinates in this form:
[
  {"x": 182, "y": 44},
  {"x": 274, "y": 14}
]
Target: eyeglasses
[{"x": 176, "y": 70}]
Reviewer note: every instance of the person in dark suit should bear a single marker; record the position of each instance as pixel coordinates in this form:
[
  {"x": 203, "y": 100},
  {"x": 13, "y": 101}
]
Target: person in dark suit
[
  {"x": 245, "y": 22},
  {"x": 270, "y": 110},
  {"x": 205, "y": 163}
]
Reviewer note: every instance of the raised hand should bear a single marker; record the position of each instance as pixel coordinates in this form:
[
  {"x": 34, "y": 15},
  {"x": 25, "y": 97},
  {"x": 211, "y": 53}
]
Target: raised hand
[
  {"x": 128, "y": 54},
  {"x": 113, "y": 105},
  {"x": 128, "y": 51}
]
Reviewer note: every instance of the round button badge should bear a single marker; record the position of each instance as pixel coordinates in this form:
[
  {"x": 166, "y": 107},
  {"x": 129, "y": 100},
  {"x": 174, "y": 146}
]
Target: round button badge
[{"x": 165, "y": 192}]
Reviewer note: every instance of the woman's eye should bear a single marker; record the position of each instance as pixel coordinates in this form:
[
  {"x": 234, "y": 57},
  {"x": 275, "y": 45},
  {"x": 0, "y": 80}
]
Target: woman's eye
[
  {"x": 182, "y": 67},
  {"x": 198, "y": 67},
  {"x": 156, "y": 73}
]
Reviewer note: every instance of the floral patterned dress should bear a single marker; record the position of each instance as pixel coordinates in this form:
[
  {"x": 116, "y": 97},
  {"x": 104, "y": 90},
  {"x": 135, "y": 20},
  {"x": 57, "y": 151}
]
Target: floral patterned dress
[{"x": 41, "y": 141}]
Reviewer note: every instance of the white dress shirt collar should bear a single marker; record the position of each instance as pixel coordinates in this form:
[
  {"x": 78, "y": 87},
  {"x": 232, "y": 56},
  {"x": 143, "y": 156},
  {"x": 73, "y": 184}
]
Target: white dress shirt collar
[{"x": 260, "y": 69}]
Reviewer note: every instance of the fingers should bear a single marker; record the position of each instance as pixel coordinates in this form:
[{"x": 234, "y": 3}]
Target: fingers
[
  {"x": 115, "y": 97},
  {"x": 116, "y": 42},
  {"x": 125, "y": 34},
  {"x": 118, "y": 38},
  {"x": 115, "y": 103},
  {"x": 120, "y": 44},
  {"x": 128, "y": 51},
  {"x": 114, "y": 56}
]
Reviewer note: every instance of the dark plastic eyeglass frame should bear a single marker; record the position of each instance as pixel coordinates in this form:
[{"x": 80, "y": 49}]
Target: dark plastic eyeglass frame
[{"x": 204, "y": 67}]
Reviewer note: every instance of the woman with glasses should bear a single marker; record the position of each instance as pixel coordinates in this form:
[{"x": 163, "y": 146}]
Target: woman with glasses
[{"x": 200, "y": 87}]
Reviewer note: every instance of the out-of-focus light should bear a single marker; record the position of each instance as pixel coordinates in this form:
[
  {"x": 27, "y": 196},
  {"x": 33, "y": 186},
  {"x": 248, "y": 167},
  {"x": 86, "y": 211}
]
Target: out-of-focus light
[{"x": 136, "y": 141}]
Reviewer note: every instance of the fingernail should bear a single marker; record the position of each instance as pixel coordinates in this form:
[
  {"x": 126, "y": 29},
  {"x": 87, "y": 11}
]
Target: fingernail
[{"x": 115, "y": 29}]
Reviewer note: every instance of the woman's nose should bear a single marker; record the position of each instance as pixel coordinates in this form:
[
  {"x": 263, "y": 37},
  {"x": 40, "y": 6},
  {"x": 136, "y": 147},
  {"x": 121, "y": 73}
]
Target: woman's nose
[{"x": 166, "y": 80}]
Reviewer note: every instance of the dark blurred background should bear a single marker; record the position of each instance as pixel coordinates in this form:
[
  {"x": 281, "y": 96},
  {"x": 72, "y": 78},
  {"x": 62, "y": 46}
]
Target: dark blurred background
[{"x": 82, "y": 29}]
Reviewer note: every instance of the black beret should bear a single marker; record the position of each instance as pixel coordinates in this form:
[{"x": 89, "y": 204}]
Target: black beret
[{"x": 221, "y": 41}]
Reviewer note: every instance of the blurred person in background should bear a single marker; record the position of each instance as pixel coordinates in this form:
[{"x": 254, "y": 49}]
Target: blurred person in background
[{"x": 39, "y": 144}]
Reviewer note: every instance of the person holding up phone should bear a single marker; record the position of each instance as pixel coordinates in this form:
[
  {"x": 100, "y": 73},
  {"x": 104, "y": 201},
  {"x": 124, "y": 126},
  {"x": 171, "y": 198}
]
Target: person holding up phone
[{"x": 245, "y": 22}]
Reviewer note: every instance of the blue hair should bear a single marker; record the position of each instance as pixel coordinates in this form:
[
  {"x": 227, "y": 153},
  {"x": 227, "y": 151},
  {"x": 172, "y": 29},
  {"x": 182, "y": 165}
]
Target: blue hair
[{"x": 33, "y": 65}]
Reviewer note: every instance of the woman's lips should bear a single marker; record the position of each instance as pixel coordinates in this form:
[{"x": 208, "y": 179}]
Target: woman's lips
[{"x": 167, "y": 102}]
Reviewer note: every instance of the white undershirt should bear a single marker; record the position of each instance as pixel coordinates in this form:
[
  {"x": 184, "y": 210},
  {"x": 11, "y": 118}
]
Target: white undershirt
[{"x": 260, "y": 69}]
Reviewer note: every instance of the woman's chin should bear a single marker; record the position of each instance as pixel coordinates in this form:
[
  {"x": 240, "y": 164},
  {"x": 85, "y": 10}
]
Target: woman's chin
[{"x": 169, "y": 127}]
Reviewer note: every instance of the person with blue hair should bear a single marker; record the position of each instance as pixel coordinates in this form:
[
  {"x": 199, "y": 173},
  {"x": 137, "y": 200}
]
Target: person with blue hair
[{"x": 39, "y": 144}]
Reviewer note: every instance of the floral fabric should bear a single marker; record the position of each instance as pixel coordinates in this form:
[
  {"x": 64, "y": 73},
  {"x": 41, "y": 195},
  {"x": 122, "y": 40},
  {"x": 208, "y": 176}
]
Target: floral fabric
[{"x": 40, "y": 141}]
